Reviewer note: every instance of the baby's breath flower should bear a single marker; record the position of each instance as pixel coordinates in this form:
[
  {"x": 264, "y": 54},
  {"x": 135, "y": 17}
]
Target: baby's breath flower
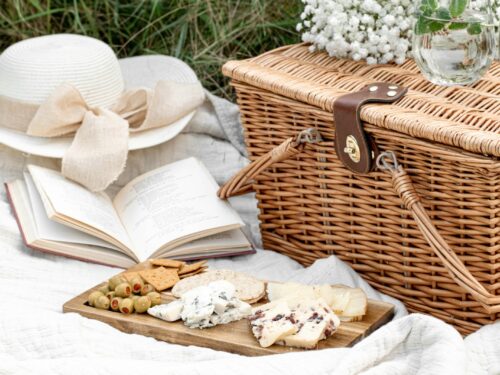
[
  {"x": 373, "y": 30},
  {"x": 378, "y": 31}
]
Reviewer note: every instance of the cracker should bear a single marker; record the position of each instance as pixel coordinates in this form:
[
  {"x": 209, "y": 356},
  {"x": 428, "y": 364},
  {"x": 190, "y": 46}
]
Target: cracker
[
  {"x": 170, "y": 263},
  {"x": 161, "y": 278},
  {"x": 256, "y": 299},
  {"x": 188, "y": 268},
  {"x": 247, "y": 288},
  {"x": 199, "y": 270},
  {"x": 129, "y": 276}
]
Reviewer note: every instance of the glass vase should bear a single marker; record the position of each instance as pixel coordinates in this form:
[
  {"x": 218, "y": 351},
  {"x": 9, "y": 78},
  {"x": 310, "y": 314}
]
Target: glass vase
[{"x": 454, "y": 41}]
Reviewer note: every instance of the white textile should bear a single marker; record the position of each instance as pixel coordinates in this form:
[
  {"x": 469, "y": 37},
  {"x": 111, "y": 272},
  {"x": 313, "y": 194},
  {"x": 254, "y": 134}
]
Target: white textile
[{"x": 36, "y": 338}]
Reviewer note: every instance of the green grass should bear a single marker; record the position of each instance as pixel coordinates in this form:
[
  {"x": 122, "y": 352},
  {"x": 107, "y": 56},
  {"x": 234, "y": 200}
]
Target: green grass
[{"x": 203, "y": 33}]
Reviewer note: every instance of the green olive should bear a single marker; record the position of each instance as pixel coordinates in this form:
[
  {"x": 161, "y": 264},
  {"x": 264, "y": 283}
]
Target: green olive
[
  {"x": 93, "y": 296},
  {"x": 126, "y": 306},
  {"x": 133, "y": 297},
  {"x": 155, "y": 298},
  {"x": 147, "y": 288},
  {"x": 123, "y": 290},
  {"x": 110, "y": 295},
  {"x": 142, "y": 304},
  {"x": 137, "y": 285},
  {"x": 115, "y": 303},
  {"x": 102, "y": 303},
  {"x": 104, "y": 289},
  {"x": 115, "y": 281}
]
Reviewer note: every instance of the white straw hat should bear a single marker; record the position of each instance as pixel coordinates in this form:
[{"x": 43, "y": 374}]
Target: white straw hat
[
  {"x": 32, "y": 69},
  {"x": 52, "y": 87}
]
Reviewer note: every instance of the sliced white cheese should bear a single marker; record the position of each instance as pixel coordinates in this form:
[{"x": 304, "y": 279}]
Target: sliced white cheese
[
  {"x": 357, "y": 306},
  {"x": 277, "y": 291},
  {"x": 315, "y": 321},
  {"x": 308, "y": 336},
  {"x": 349, "y": 303},
  {"x": 338, "y": 298},
  {"x": 272, "y": 333},
  {"x": 272, "y": 322}
]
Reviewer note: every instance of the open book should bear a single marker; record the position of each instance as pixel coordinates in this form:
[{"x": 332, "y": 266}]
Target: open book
[{"x": 170, "y": 212}]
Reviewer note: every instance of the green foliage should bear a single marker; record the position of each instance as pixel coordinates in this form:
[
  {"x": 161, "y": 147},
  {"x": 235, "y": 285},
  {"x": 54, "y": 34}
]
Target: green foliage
[
  {"x": 458, "y": 25},
  {"x": 204, "y": 33},
  {"x": 432, "y": 18},
  {"x": 457, "y": 7},
  {"x": 428, "y": 6},
  {"x": 443, "y": 14},
  {"x": 474, "y": 29}
]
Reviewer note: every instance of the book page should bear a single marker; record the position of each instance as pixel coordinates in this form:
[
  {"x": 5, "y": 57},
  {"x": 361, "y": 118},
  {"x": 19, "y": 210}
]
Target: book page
[
  {"x": 71, "y": 200},
  {"x": 170, "y": 203},
  {"x": 50, "y": 230},
  {"x": 21, "y": 205},
  {"x": 229, "y": 241}
]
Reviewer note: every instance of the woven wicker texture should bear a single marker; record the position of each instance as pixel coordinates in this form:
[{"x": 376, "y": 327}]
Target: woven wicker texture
[{"x": 447, "y": 140}]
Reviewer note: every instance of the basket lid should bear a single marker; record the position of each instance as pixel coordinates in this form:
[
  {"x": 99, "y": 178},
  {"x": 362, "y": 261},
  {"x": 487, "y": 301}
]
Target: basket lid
[{"x": 464, "y": 117}]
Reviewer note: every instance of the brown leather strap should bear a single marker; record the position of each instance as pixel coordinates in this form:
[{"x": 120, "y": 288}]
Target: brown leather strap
[{"x": 352, "y": 144}]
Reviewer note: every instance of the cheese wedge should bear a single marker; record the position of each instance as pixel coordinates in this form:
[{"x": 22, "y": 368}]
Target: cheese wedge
[
  {"x": 349, "y": 303},
  {"x": 315, "y": 322},
  {"x": 169, "y": 312},
  {"x": 302, "y": 325},
  {"x": 272, "y": 322},
  {"x": 338, "y": 299},
  {"x": 357, "y": 306},
  {"x": 277, "y": 291},
  {"x": 205, "y": 306}
]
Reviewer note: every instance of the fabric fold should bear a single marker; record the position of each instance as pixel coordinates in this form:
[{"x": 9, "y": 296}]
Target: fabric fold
[{"x": 98, "y": 153}]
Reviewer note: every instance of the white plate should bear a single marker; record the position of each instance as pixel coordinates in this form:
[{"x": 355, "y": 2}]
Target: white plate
[{"x": 56, "y": 147}]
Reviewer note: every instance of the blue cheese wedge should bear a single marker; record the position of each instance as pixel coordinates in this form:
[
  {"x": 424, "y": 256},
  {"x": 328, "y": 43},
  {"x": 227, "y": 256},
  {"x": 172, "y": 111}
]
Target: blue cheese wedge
[
  {"x": 198, "y": 307},
  {"x": 232, "y": 314},
  {"x": 169, "y": 311},
  {"x": 205, "y": 306}
]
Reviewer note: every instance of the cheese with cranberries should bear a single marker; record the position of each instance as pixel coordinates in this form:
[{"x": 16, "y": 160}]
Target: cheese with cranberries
[
  {"x": 272, "y": 322},
  {"x": 293, "y": 323},
  {"x": 315, "y": 321}
]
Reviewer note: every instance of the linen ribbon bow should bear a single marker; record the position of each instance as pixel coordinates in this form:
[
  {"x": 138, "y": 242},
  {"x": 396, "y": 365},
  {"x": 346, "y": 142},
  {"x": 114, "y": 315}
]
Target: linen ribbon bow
[{"x": 98, "y": 153}]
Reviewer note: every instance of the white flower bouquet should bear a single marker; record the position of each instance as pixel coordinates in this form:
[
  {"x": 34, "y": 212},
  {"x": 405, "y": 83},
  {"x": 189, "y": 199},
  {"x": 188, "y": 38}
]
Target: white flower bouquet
[{"x": 378, "y": 31}]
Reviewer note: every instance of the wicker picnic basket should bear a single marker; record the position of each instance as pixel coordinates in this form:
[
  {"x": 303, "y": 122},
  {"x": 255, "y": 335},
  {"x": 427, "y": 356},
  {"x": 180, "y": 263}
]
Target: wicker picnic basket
[{"x": 423, "y": 226}]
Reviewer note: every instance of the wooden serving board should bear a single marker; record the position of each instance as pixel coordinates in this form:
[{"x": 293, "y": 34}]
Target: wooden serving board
[{"x": 235, "y": 337}]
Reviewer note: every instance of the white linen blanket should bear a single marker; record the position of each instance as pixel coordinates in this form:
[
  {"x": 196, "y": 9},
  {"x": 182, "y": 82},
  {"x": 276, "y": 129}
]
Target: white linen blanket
[{"x": 36, "y": 338}]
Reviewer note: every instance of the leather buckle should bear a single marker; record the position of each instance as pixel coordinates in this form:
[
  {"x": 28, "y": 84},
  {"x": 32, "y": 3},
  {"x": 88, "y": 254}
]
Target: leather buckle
[{"x": 353, "y": 146}]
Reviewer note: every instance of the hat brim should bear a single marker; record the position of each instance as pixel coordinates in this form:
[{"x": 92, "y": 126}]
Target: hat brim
[{"x": 137, "y": 71}]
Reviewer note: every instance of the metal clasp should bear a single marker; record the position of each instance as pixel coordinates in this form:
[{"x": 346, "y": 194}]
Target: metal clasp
[
  {"x": 310, "y": 135},
  {"x": 352, "y": 148},
  {"x": 387, "y": 161}
]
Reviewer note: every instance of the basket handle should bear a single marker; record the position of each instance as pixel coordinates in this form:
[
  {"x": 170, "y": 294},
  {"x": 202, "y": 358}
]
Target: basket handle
[
  {"x": 241, "y": 183},
  {"x": 458, "y": 271}
]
